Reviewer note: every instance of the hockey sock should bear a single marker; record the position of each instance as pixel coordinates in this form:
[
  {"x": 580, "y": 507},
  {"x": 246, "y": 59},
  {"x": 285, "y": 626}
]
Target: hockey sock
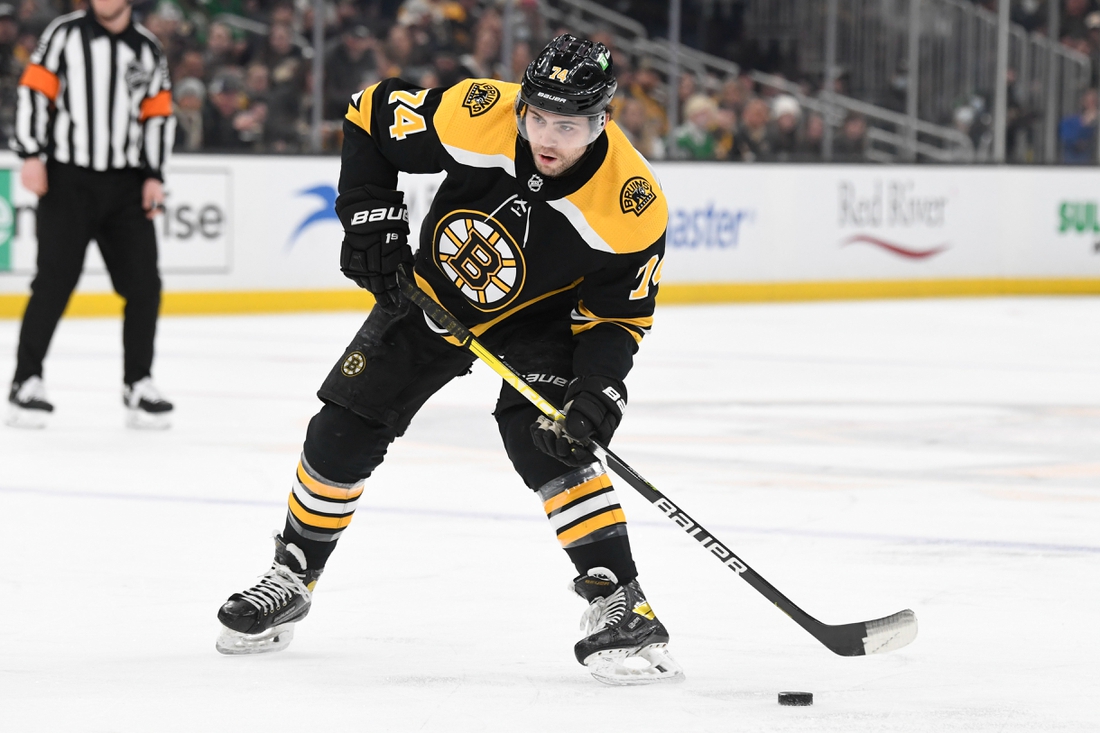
[
  {"x": 584, "y": 511},
  {"x": 318, "y": 512}
]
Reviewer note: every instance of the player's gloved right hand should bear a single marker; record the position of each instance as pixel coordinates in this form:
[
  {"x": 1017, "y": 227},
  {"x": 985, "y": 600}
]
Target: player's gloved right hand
[
  {"x": 593, "y": 408},
  {"x": 376, "y": 241}
]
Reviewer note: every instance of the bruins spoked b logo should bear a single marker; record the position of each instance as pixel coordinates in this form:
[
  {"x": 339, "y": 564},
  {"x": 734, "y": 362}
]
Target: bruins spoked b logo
[
  {"x": 354, "y": 364},
  {"x": 636, "y": 196},
  {"x": 480, "y": 257},
  {"x": 480, "y": 98}
]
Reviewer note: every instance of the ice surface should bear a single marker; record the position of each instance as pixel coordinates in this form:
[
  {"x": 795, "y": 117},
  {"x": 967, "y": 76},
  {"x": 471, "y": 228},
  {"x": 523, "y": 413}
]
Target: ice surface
[{"x": 939, "y": 455}]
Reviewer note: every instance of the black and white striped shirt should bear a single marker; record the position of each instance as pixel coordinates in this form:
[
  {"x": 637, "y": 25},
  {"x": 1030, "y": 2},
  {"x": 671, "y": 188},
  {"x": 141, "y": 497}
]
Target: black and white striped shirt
[{"x": 96, "y": 100}]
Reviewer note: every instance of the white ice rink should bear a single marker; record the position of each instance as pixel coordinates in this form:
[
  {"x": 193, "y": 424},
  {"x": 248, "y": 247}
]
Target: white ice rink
[{"x": 939, "y": 455}]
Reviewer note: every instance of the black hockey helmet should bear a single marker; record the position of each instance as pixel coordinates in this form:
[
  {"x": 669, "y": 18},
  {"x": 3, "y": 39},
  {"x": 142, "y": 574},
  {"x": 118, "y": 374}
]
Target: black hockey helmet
[{"x": 571, "y": 76}]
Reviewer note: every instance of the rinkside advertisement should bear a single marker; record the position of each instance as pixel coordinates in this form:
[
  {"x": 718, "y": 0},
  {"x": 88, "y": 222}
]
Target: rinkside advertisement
[
  {"x": 777, "y": 223},
  {"x": 251, "y": 223}
]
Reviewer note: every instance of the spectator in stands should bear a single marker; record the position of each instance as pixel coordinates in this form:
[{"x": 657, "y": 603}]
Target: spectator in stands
[
  {"x": 786, "y": 116},
  {"x": 224, "y": 102},
  {"x": 282, "y": 111},
  {"x": 687, "y": 88},
  {"x": 165, "y": 24},
  {"x": 251, "y": 125},
  {"x": 446, "y": 69},
  {"x": 481, "y": 63},
  {"x": 281, "y": 55},
  {"x": 1031, "y": 14},
  {"x": 347, "y": 68},
  {"x": 521, "y": 57},
  {"x": 459, "y": 21},
  {"x": 221, "y": 49},
  {"x": 725, "y": 133},
  {"x": 402, "y": 58},
  {"x": 732, "y": 96},
  {"x": 695, "y": 139},
  {"x": 1078, "y": 132},
  {"x": 647, "y": 88},
  {"x": 639, "y": 128},
  {"x": 851, "y": 145},
  {"x": 10, "y": 71},
  {"x": 190, "y": 96},
  {"x": 1092, "y": 25},
  {"x": 810, "y": 139},
  {"x": 753, "y": 143},
  {"x": 257, "y": 83},
  {"x": 1072, "y": 22},
  {"x": 191, "y": 65},
  {"x": 975, "y": 121}
]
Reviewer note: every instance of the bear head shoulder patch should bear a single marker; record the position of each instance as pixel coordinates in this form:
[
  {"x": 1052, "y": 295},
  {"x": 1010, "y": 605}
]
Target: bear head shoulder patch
[{"x": 636, "y": 196}]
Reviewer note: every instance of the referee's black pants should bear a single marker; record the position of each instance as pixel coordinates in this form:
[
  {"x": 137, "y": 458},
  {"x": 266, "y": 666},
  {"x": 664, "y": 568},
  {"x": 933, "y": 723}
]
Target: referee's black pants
[{"x": 82, "y": 204}]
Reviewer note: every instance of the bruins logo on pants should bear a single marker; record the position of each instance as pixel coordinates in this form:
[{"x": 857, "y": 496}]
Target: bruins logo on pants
[{"x": 480, "y": 257}]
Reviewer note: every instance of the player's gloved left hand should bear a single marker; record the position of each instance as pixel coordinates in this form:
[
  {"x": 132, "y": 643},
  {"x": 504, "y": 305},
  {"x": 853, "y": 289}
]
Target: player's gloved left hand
[
  {"x": 376, "y": 241},
  {"x": 593, "y": 408}
]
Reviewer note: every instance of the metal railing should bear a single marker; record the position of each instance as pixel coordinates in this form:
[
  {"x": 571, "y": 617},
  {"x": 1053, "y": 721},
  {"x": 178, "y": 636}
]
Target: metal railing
[
  {"x": 889, "y": 141},
  {"x": 889, "y": 135},
  {"x": 630, "y": 36},
  {"x": 957, "y": 61}
]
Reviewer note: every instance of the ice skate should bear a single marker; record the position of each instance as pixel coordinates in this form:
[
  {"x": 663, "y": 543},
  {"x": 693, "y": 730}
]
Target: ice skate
[
  {"x": 28, "y": 406},
  {"x": 146, "y": 409},
  {"x": 261, "y": 619},
  {"x": 624, "y": 642}
]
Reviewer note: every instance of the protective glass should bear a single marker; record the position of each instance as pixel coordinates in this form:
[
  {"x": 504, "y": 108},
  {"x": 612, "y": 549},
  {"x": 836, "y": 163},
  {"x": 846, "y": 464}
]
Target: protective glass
[{"x": 550, "y": 129}]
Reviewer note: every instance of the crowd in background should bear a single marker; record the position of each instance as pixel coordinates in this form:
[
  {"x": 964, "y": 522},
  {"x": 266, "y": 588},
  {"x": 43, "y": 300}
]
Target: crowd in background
[{"x": 242, "y": 74}]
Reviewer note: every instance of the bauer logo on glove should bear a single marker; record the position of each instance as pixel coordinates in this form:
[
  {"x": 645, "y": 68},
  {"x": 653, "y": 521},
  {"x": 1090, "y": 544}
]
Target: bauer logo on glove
[{"x": 594, "y": 406}]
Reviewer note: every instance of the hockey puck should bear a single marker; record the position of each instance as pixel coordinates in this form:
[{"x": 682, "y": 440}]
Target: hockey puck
[{"x": 796, "y": 698}]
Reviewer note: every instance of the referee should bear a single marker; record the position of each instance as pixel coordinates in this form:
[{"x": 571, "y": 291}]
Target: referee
[{"x": 94, "y": 128}]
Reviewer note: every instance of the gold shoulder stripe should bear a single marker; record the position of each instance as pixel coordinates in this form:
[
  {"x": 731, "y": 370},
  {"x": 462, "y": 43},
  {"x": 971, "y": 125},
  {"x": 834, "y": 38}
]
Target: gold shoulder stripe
[
  {"x": 476, "y": 123},
  {"x": 622, "y": 203},
  {"x": 361, "y": 116}
]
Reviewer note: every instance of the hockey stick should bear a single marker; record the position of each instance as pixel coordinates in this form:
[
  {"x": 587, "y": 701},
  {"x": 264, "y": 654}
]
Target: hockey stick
[{"x": 849, "y": 640}]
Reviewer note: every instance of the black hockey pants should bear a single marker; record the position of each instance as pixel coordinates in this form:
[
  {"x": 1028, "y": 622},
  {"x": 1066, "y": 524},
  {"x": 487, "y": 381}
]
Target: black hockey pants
[{"x": 391, "y": 368}]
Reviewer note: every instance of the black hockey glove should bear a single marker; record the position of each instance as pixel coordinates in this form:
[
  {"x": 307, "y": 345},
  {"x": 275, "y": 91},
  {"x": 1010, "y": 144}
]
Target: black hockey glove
[
  {"x": 376, "y": 241},
  {"x": 593, "y": 408}
]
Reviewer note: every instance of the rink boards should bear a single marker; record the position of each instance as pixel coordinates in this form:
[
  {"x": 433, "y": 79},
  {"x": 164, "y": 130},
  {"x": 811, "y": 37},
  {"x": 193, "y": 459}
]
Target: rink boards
[{"x": 258, "y": 234}]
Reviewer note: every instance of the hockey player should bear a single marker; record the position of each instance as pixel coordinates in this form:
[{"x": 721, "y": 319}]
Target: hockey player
[{"x": 546, "y": 240}]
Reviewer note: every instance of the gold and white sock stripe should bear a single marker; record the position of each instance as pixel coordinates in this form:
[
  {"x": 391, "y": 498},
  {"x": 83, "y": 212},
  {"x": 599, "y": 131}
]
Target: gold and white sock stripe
[
  {"x": 320, "y": 509},
  {"x": 582, "y": 507}
]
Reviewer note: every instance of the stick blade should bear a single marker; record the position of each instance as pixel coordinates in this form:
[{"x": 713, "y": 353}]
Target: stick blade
[
  {"x": 890, "y": 633},
  {"x": 867, "y": 637}
]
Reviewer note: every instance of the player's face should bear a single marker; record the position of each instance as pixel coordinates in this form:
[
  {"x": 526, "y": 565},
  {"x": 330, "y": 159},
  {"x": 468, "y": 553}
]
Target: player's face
[
  {"x": 110, "y": 10},
  {"x": 557, "y": 141}
]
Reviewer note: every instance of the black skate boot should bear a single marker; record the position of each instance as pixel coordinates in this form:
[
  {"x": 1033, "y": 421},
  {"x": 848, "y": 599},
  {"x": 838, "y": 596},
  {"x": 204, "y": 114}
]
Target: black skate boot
[
  {"x": 146, "y": 409},
  {"x": 262, "y": 618},
  {"x": 28, "y": 406},
  {"x": 624, "y": 642}
]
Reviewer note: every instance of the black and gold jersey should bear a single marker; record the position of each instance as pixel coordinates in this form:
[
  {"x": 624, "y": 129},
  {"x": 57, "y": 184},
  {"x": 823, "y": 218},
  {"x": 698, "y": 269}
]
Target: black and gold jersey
[{"x": 502, "y": 241}]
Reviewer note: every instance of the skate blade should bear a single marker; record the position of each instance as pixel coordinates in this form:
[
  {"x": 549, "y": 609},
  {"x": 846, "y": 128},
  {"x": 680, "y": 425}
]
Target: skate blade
[
  {"x": 645, "y": 666},
  {"x": 141, "y": 420},
  {"x": 19, "y": 417},
  {"x": 274, "y": 639}
]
